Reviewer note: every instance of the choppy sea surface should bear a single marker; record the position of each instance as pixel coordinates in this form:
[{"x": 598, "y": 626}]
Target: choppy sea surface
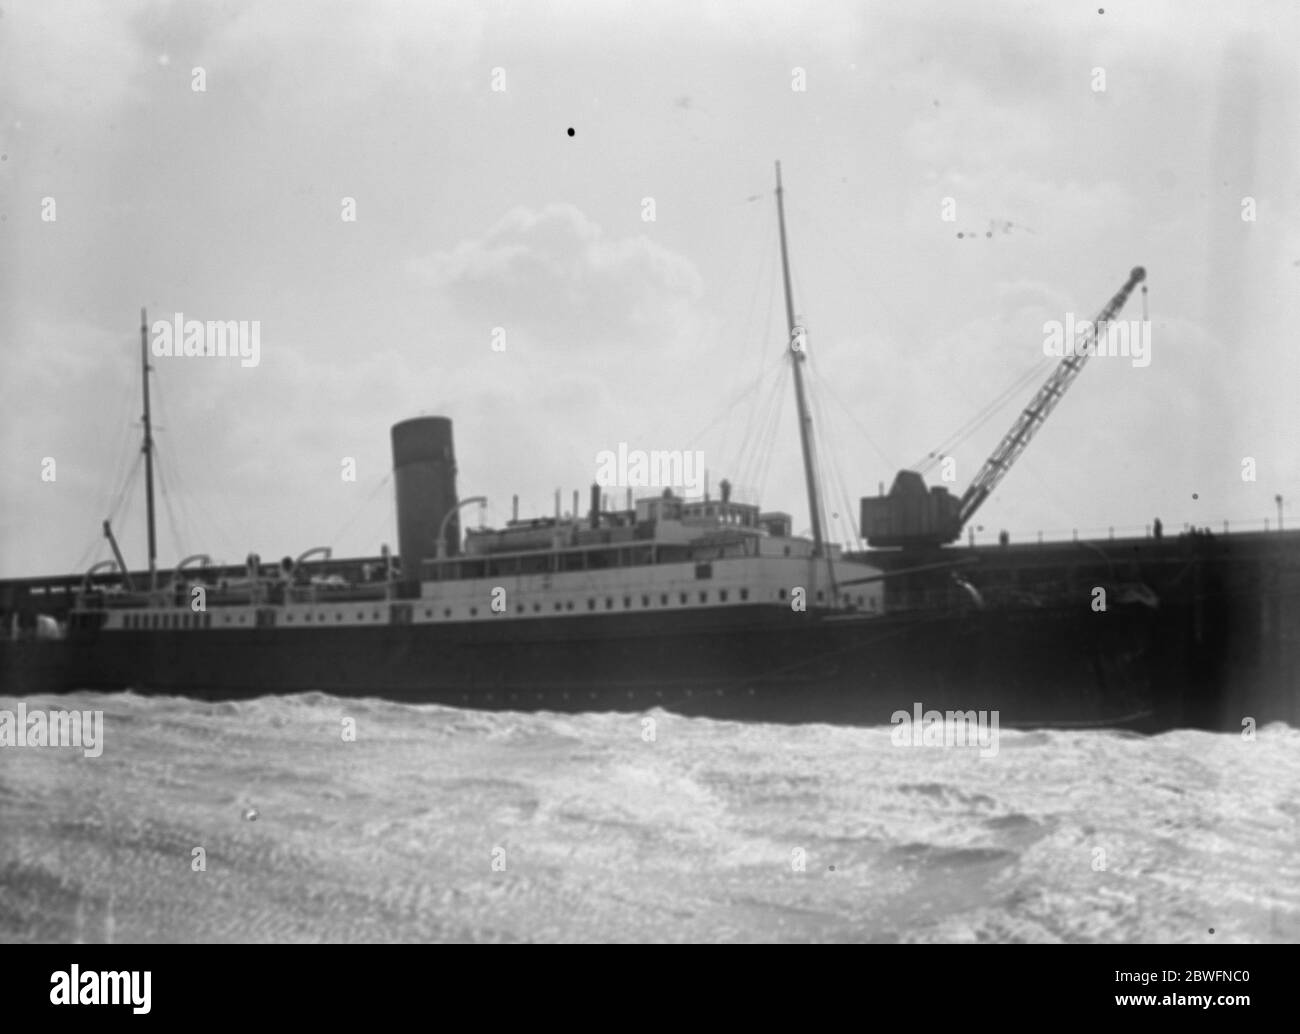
[{"x": 437, "y": 824}]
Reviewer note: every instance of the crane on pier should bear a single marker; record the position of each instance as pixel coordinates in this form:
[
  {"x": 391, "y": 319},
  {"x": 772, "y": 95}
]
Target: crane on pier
[{"x": 911, "y": 516}]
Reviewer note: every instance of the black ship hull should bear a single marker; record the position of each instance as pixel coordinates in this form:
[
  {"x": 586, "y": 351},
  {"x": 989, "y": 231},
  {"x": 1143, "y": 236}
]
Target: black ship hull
[{"x": 1035, "y": 666}]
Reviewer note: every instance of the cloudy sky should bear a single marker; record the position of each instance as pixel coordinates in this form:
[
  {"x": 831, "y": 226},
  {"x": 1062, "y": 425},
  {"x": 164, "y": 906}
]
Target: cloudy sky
[{"x": 123, "y": 186}]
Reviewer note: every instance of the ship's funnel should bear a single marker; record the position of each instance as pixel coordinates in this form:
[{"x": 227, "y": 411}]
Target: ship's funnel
[{"x": 424, "y": 476}]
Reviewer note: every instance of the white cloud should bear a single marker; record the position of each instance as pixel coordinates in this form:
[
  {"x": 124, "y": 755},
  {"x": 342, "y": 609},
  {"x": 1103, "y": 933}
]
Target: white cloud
[{"x": 555, "y": 277}]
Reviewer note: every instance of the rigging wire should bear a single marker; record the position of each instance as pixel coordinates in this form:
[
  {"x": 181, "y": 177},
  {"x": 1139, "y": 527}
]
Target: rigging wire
[
  {"x": 748, "y": 335},
  {"x": 756, "y": 433},
  {"x": 863, "y": 281},
  {"x": 766, "y": 276},
  {"x": 212, "y": 529},
  {"x": 767, "y": 446},
  {"x": 740, "y": 396},
  {"x": 837, "y": 484},
  {"x": 754, "y": 421},
  {"x": 121, "y": 454},
  {"x": 981, "y": 417},
  {"x": 363, "y": 506},
  {"x": 171, "y": 514},
  {"x": 834, "y": 397},
  {"x": 379, "y": 527},
  {"x": 126, "y": 492}
]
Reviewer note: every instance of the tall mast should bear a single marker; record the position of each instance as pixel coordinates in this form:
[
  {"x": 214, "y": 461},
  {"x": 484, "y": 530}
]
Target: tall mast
[
  {"x": 805, "y": 421},
  {"x": 148, "y": 451}
]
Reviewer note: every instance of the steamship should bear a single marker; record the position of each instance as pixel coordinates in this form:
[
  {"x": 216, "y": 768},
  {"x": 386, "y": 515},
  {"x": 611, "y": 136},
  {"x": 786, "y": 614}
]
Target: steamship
[{"x": 705, "y": 607}]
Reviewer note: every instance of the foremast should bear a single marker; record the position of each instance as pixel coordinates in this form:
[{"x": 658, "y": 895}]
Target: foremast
[{"x": 147, "y": 449}]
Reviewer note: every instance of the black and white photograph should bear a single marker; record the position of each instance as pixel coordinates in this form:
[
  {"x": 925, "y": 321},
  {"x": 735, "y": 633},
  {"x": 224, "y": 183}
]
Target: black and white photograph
[{"x": 609, "y": 472}]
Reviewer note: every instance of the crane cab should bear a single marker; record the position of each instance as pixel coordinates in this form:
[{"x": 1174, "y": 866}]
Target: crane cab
[{"x": 911, "y": 515}]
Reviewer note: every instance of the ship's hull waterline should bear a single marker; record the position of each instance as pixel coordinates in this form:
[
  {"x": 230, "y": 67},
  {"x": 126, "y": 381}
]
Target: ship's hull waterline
[{"x": 1035, "y": 667}]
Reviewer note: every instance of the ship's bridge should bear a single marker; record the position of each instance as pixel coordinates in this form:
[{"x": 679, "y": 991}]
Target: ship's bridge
[{"x": 724, "y": 512}]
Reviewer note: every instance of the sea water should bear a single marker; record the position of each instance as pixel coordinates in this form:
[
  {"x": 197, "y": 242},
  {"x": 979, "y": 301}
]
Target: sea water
[{"x": 317, "y": 818}]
